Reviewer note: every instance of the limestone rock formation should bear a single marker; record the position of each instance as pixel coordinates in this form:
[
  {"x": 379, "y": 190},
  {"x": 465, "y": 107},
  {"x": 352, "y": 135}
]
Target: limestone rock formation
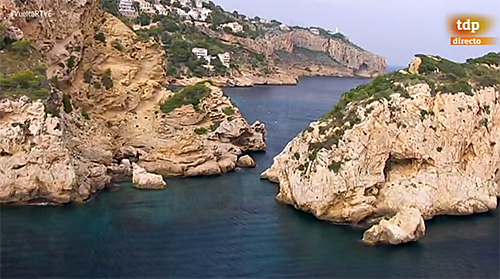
[
  {"x": 405, "y": 140},
  {"x": 107, "y": 112},
  {"x": 144, "y": 180},
  {"x": 406, "y": 226},
  {"x": 246, "y": 162},
  {"x": 189, "y": 141},
  {"x": 39, "y": 160}
]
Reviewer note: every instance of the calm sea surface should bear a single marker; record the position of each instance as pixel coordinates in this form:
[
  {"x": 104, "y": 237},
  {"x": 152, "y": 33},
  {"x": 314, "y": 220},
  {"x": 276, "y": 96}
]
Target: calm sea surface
[{"x": 231, "y": 226}]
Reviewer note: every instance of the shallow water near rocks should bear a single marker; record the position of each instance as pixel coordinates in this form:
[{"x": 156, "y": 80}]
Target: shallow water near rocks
[{"x": 231, "y": 225}]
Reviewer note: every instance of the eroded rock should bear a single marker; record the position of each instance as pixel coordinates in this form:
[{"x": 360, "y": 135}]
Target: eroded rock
[
  {"x": 406, "y": 226},
  {"x": 144, "y": 180},
  {"x": 246, "y": 162}
]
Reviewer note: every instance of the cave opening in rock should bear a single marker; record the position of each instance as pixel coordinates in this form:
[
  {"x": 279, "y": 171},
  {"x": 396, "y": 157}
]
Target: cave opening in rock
[
  {"x": 397, "y": 167},
  {"x": 363, "y": 67}
]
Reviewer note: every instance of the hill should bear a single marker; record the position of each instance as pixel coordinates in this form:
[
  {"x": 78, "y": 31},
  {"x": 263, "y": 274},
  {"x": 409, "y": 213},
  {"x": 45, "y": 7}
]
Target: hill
[{"x": 241, "y": 49}]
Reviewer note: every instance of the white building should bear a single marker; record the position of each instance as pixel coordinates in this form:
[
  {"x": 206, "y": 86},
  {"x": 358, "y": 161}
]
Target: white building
[
  {"x": 145, "y": 6},
  {"x": 199, "y": 14},
  {"x": 284, "y": 27},
  {"x": 314, "y": 31},
  {"x": 126, "y": 8},
  {"x": 161, "y": 9},
  {"x": 225, "y": 58},
  {"x": 200, "y": 52},
  {"x": 235, "y": 26}
]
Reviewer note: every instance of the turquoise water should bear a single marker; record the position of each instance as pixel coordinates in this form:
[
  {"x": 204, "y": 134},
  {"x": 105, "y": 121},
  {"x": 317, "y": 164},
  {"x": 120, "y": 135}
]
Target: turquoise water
[{"x": 231, "y": 226}]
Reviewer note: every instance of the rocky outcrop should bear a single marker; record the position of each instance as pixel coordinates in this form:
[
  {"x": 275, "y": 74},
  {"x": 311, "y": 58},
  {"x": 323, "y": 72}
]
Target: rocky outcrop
[
  {"x": 246, "y": 162},
  {"x": 114, "y": 119},
  {"x": 406, "y": 226},
  {"x": 144, "y": 180},
  {"x": 39, "y": 159},
  {"x": 434, "y": 151},
  {"x": 190, "y": 141}
]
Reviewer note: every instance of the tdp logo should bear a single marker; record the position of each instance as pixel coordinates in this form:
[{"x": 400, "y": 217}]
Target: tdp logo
[
  {"x": 469, "y": 25},
  {"x": 470, "y": 30}
]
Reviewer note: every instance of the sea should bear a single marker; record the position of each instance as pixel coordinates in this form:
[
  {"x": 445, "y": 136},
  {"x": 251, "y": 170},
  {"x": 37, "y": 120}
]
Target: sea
[{"x": 231, "y": 226}]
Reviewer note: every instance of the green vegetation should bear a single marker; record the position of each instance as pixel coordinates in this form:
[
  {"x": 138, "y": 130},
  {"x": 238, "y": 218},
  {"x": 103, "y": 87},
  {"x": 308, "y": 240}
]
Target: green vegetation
[
  {"x": 215, "y": 125},
  {"x": 87, "y": 76},
  {"x": 107, "y": 79},
  {"x": 485, "y": 122},
  {"x": 22, "y": 46},
  {"x": 86, "y": 115},
  {"x": 200, "y": 131},
  {"x": 228, "y": 111},
  {"x": 301, "y": 167},
  {"x": 335, "y": 166},
  {"x": 445, "y": 76},
  {"x": 189, "y": 95},
  {"x": 491, "y": 58},
  {"x": 30, "y": 83},
  {"x": 68, "y": 108},
  {"x": 423, "y": 114},
  {"x": 110, "y": 6},
  {"x": 100, "y": 37},
  {"x": 71, "y": 62},
  {"x": 296, "y": 155},
  {"x": 117, "y": 44}
]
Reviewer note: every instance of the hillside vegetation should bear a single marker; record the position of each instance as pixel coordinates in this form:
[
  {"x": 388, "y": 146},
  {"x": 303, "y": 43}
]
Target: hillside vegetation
[
  {"x": 218, "y": 31},
  {"x": 21, "y": 70}
]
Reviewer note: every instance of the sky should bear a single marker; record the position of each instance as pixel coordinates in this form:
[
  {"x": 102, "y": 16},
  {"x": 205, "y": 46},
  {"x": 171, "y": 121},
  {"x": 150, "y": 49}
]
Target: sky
[{"x": 395, "y": 29}]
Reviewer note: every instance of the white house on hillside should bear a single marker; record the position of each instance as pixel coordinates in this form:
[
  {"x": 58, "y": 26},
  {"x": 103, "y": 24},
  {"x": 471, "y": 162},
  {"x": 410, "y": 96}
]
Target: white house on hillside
[
  {"x": 145, "y": 6},
  {"x": 284, "y": 27},
  {"x": 161, "y": 9},
  {"x": 200, "y": 52},
  {"x": 314, "y": 31},
  {"x": 126, "y": 8},
  {"x": 225, "y": 58},
  {"x": 235, "y": 26},
  {"x": 200, "y": 14}
]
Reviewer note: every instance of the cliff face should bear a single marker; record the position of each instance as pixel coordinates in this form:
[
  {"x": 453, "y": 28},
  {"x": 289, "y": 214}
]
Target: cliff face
[
  {"x": 93, "y": 103},
  {"x": 405, "y": 142},
  {"x": 345, "y": 58},
  {"x": 356, "y": 59}
]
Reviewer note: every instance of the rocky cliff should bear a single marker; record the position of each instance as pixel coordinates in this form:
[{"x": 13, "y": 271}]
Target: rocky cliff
[
  {"x": 82, "y": 102},
  {"x": 406, "y": 147}
]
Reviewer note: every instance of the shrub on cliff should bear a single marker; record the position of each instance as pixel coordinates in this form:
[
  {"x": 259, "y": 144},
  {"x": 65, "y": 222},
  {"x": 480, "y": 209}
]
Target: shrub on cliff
[
  {"x": 189, "y": 95},
  {"x": 68, "y": 108},
  {"x": 107, "y": 80},
  {"x": 117, "y": 44},
  {"x": 100, "y": 37},
  {"x": 491, "y": 58},
  {"x": 28, "y": 82},
  {"x": 22, "y": 46}
]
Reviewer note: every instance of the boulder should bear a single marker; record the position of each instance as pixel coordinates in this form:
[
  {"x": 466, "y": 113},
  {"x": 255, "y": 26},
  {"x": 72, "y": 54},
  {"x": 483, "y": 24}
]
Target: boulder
[
  {"x": 144, "y": 180},
  {"x": 246, "y": 162},
  {"x": 406, "y": 226}
]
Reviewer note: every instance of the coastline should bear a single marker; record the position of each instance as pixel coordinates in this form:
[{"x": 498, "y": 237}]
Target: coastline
[{"x": 251, "y": 81}]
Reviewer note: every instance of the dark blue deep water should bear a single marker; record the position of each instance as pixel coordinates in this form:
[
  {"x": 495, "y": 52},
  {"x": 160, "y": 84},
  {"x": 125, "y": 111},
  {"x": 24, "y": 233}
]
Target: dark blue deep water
[{"x": 231, "y": 226}]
